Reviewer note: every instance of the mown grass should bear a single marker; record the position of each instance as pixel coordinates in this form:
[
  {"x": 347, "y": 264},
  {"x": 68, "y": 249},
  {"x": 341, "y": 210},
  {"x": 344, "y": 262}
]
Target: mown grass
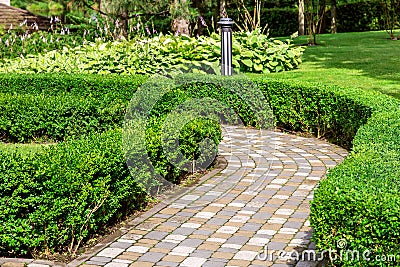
[{"x": 366, "y": 60}]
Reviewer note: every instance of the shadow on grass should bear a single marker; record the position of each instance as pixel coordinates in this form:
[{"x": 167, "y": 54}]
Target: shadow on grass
[{"x": 369, "y": 54}]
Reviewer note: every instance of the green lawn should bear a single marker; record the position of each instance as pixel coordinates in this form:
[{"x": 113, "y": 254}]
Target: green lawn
[{"x": 366, "y": 60}]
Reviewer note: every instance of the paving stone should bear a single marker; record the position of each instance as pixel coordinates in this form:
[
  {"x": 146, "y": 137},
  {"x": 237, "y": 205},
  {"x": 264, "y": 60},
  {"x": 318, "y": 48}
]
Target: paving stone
[
  {"x": 227, "y": 229},
  {"x": 245, "y": 255},
  {"x": 190, "y": 242},
  {"x": 94, "y": 263},
  {"x": 101, "y": 259},
  {"x": 182, "y": 251},
  {"x": 157, "y": 235},
  {"x": 121, "y": 245},
  {"x": 38, "y": 265},
  {"x": 253, "y": 227},
  {"x": 183, "y": 231},
  {"x": 116, "y": 264},
  {"x": 138, "y": 249},
  {"x": 193, "y": 262},
  {"x": 13, "y": 264},
  {"x": 152, "y": 257},
  {"x": 214, "y": 263}
]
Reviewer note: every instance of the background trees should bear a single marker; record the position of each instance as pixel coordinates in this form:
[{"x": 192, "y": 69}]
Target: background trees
[{"x": 193, "y": 17}]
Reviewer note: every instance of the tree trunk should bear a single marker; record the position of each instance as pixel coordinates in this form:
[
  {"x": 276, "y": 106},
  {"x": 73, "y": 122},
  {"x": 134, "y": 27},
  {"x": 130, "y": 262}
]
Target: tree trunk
[
  {"x": 180, "y": 24},
  {"x": 301, "y": 17},
  {"x": 222, "y": 9},
  {"x": 333, "y": 15}
]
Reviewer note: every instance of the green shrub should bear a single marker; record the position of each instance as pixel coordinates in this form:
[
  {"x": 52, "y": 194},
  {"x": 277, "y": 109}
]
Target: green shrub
[
  {"x": 56, "y": 198},
  {"x": 21, "y": 44},
  {"x": 252, "y": 52},
  {"x": 280, "y": 21},
  {"x": 78, "y": 105},
  {"x": 231, "y": 103},
  {"x": 325, "y": 111},
  {"x": 361, "y": 16},
  {"x": 108, "y": 87},
  {"x": 36, "y": 117}
]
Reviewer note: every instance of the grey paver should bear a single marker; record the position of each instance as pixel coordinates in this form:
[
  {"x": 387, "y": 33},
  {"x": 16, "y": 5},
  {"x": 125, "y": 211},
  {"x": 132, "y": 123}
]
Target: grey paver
[{"x": 152, "y": 257}]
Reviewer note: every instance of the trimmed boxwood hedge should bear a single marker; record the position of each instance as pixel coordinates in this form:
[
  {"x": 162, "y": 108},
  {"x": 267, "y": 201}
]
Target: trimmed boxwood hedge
[
  {"x": 359, "y": 201},
  {"x": 58, "y": 107}
]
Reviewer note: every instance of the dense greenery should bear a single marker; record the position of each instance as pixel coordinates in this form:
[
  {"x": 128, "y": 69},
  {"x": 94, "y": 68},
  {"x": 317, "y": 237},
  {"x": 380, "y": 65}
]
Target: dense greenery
[
  {"x": 252, "y": 52},
  {"x": 25, "y": 43},
  {"x": 78, "y": 105}
]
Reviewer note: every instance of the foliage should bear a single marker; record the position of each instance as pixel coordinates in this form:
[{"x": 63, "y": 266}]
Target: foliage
[
  {"x": 324, "y": 111},
  {"x": 45, "y": 8},
  {"x": 252, "y": 52},
  {"x": 16, "y": 44},
  {"x": 78, "y": 105},
  {"x": 36, "y": 117},
  {"x": 56, "y": 198},
  {"x": 280, "y": 21},
  {"x": 360, "y": 16}
]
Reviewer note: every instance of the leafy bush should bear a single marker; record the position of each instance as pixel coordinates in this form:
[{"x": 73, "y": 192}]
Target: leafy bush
[
  {"x": 108, "y": 87},
  {"x": 56, "y": 198},
  {"x": 361, "y": 16},
  {"x": 16, "y": 44},
  {"x": 78, "y": 105},
  {"x": 358, "y": 201},
  {"x": 280, "y": 21},
  {"x": 36, "y": 117},
  {"x": 252, "y": 52},
  {"x": 325, "y": 111}
]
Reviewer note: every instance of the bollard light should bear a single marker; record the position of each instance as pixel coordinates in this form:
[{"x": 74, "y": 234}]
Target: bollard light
[{"x": 226, "y": 45}]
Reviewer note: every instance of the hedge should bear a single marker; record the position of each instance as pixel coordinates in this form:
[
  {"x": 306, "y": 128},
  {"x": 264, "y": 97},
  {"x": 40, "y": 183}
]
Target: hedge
[
  {"x": 359, "y": 199},
  {"x": 58, "y": 107},
  {"x": 57, "y": 198}
]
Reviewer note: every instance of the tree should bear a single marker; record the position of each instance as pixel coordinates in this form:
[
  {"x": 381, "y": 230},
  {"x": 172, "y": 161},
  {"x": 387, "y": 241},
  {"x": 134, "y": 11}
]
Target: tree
[
  {"x": 392, "y": 14},
  {"x": 301, "y": 17},
  {"x": 247, "y": 21},
  {"x": 333, "y": 16},
  {"x": 314, "y": 14},
  {"x": 121, "y": 11}
]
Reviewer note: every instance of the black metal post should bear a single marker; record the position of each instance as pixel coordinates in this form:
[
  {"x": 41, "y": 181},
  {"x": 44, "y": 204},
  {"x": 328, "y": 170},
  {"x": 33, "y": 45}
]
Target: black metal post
[{"x": 226, "y": 45}]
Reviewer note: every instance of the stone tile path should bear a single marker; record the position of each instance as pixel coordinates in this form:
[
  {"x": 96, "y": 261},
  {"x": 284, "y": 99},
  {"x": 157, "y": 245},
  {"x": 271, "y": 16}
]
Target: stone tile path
[{"x": 241, "y": 216}]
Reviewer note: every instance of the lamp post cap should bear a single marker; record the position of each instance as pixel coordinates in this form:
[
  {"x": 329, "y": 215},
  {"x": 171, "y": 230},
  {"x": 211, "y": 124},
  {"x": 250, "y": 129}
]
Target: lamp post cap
[{"x": 226, "y": 22}]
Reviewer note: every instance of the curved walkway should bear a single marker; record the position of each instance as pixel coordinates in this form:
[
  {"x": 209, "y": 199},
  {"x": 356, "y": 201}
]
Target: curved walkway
[{"x": 240, "y": 216}]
